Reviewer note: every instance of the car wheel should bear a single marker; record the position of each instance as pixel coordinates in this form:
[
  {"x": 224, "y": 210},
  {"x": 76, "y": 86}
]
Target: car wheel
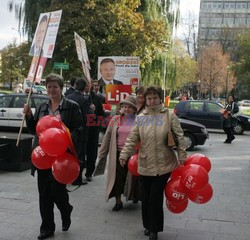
[
  {"x": 239, "y": 128},
  {"x": 189, "y": 141}
]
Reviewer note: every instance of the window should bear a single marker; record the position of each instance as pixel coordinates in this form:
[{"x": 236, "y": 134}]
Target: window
[
  {"x": 241, "y": 5},
  {"x": 228, "y": 21},
  {"x": 213, "y": 107},
  {"x": 216, "y": 20},
  {"x": 196, "y": 106},
  {"x": 204, "y": 20},
  {"x": 231, "y": 5},
  {"x": 5, "y": 101},
  {"x": 226, "y": 5},
  {"x": 19, "y": 102},
  {"x": 240, "y": 21},
  {"x": 204, "y": 5}
]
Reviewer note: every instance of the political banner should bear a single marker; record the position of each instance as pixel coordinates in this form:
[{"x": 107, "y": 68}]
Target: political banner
[
  {"x": 82, "y": 55},
  {"x": 118, "y": 70}
]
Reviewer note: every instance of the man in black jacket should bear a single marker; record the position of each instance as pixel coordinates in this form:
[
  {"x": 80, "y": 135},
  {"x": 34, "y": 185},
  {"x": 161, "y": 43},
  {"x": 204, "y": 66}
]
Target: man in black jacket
[
  {"x": 71, "y": 89},
  {"x": 93, "y": 137},
  {"x": 77, "y": 96}
]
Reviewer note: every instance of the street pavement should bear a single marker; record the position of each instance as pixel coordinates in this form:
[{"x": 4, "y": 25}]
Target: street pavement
[{"x": 225, "y": 217}]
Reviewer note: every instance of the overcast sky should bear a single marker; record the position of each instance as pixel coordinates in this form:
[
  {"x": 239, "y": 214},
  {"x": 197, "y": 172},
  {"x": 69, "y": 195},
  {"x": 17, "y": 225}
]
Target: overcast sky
[{"x": 9, "y": 26}]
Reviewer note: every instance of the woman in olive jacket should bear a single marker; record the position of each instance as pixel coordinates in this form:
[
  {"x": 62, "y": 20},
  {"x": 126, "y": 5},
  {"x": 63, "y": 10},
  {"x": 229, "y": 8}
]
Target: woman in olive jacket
[
  {"x": 50, "y": 190},
  {"x": 156, "y": 160}
]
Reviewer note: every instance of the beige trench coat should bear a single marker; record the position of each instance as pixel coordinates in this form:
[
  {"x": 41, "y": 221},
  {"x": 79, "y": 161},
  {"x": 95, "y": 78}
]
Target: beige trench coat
[
  {"x": 151, "y": 128},
  {"x": 109, "y": 146}
]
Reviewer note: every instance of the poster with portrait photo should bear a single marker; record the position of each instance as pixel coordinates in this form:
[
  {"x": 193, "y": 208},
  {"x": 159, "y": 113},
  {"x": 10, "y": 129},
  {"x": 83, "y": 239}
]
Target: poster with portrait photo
[{"x": 118, "y": 70}]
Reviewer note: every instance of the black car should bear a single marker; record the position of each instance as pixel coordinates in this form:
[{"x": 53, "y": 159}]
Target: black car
[
  {"x": 209, "y": 114},
  {"x": 194, "y": 134}
]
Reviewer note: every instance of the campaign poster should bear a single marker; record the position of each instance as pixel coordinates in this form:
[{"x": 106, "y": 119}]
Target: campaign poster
[
  {"x": 118, "y": 70},
  {"x": 81, "y": 49},
  {"x": 52, "y": 30},
  {"x": 117, "y": 93}
]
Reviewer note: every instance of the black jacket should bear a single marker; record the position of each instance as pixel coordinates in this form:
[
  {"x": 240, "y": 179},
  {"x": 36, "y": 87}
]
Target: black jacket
[
  {"x": 70, "y": 115},
  {"x": 69, "y": 91},
  {"x": 102, "y": 83}
]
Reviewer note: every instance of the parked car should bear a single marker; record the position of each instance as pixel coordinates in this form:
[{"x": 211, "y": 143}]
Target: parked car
[
  {"x": 208, "y": 113},
  {"x": 194, "y": 133},
  {"x": 11, "y": 108},
  {"x": 39, "y": 89},
  {"x": 245, "y": 103}
]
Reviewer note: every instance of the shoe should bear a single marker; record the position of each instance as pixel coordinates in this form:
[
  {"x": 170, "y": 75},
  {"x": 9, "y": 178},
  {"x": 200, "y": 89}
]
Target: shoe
[
  {"x": 117, "y": 207},
  {"x": 153, "y": 236},
  {"x": 135, "y": 201},
  {"x": 233, "y": 137},
  {"x": 66, "y": 223},
  {"x": 83, "y": 182},
  {"x": 89, "y": 179},
  {"x": 227, "y": 141},
  {"x": 146, "y": 232},
  {"x": 45, "y": 234}
]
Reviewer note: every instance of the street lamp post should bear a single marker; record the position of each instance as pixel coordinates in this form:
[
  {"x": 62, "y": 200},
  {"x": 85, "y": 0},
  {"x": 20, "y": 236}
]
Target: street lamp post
[
  {"x": 227, "y": 79},
  {"x": 165, "y": 44}
]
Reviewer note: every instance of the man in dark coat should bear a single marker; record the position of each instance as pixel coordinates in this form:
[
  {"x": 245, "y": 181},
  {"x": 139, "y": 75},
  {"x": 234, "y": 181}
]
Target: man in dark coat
[
  {"x": 77, "y": 96},
  {"x": 71, "y": 89},
  {"x": 93, "y": 137}
]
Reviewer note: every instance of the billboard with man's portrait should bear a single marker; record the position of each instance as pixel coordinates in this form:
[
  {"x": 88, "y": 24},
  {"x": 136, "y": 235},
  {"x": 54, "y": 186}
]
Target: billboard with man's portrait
[{"x": 118, "y": 70}]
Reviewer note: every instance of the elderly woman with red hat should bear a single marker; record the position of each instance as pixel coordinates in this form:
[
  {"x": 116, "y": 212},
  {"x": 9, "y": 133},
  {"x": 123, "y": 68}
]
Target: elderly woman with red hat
[{"x": 113, "y": 142}]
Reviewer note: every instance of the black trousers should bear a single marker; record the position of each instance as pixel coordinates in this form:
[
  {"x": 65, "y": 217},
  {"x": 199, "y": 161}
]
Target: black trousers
[
  {"x": 152, "y": 201},
  {"x": 50, "y": 192},
  {"x": 92, "y": 149},
  {"x": 229, "y": 132}
]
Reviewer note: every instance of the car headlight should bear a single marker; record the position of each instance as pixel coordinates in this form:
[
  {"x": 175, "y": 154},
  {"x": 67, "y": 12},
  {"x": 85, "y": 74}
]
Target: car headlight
[{"x": 204, "y": 130}]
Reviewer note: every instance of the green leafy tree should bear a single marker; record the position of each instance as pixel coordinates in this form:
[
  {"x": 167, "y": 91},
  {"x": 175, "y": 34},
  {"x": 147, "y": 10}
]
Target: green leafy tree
[
  {"x": 242, "y": 66},
  {"x": 110, "y": 28}
]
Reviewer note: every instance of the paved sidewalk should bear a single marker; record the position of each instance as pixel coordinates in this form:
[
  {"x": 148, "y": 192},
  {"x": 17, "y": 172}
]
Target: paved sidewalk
[{"x": 225, "y": 217}]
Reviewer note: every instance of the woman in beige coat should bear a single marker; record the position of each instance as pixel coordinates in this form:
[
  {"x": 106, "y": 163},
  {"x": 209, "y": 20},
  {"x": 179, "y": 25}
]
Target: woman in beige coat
[
  {"x": 114, "y": 139},
  {"x": 156, "y": 160}
]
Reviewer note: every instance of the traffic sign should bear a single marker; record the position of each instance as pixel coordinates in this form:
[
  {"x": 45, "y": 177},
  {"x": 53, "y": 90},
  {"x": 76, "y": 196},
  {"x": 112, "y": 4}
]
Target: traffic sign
[{"x": 58, "y": 65}]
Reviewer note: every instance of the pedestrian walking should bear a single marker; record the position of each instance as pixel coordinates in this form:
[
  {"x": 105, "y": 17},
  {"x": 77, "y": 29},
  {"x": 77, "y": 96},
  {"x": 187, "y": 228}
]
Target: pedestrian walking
[
  {"x": 50, "y": 190},
  {"x": 156, "y": 159},
  {"x": 113, "y": 142},
  {"x": 229, "y": 120}
]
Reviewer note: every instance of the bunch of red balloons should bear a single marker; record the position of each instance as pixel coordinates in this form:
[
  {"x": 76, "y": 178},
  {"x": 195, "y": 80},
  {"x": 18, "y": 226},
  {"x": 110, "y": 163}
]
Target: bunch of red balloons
[
  {"x": 189, "y": 182},
  {"x": 52, "y": 150}
]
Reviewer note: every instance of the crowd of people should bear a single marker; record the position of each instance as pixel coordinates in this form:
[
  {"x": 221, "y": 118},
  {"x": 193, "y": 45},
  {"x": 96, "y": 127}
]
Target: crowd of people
[{"x": 141, "y": 126}]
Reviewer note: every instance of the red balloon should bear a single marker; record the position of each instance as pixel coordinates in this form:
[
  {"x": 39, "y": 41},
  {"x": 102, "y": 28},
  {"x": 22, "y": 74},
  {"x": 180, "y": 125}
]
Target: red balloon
[
  {"x": 195, "y": 177},
  {"x": 201, "y": 196},
  {"x": 199, "y": 159},
  {"x": 40, "y": 159},
  {"x": 178, "y": 172},
  {"x": 54, "y": 141},
  {"x": 176, "y": 208},
  {"x": 47, "y": 122},
  {"x": 65, "y": 168},
  {"x": 175, "y": 191},
  {"x": 133, "y": 165}
]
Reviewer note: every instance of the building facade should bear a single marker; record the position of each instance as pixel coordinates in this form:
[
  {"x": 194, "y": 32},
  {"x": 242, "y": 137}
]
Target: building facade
[{"x": 221, "y": 20}]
